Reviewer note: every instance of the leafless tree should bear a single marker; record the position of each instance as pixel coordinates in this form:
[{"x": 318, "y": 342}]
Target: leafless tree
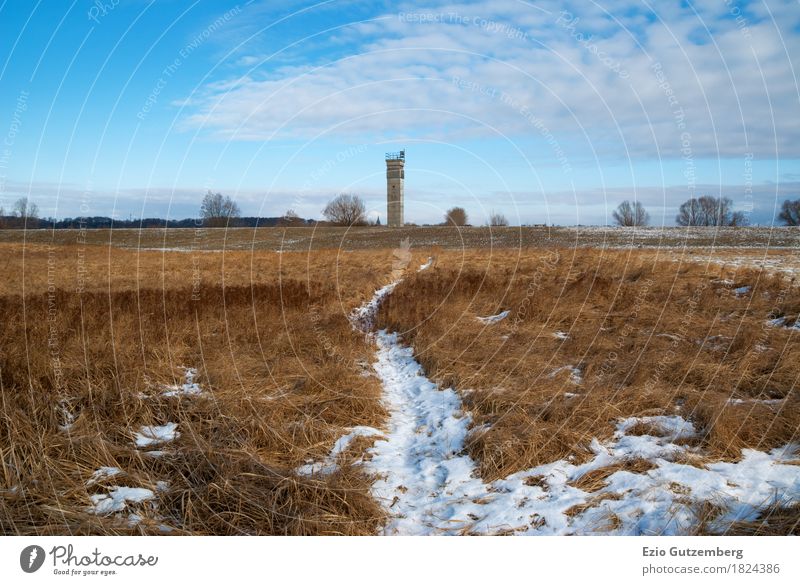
[
  {"x": 790, "y": 212},
  {"x": 346, "y": 209},
  {"x": 738, "y": 218},
  {"x": 497, "y": 219},
  {"x": 709, "y": 211},
  {"x": 631, "y": 214},
  {"x": 218, "y": 209},
  {"x": 689, "y": 213},
  {"x": 455, "y": 216},
  {"x": 25, "y": 209}
]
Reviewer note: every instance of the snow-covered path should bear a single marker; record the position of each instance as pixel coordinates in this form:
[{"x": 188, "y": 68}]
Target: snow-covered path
[
  {"x": 423, "y": 476},
  {"x": 428, "y": 484}
]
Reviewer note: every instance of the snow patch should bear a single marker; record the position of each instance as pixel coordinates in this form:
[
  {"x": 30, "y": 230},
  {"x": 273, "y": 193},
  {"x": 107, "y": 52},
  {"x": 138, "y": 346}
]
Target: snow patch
[
  {"x": 66, "y": 416},
  {"x": 329, "y": 465},
  {"x": 117, "y": 499},
  {"x": 768, "y": 401},
  {"x": 575, "y": 376},
  {"x": 427, "y": 265},
  {"x": 561, "y": 335},
  {"x": 742, "y": 290},
  {"x": 429, "y": 485},
  {"x": 491, "y": 320},
  {"x": 363, "y": 317},
  {"x": 154, "y": 435},
  {"x": 188, "y": 388},
  {"x": 102, "y": 474}
]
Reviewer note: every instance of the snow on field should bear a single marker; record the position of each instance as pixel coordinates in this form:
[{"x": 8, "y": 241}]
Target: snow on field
[
  {"x": 767, "y": 401},
  {"x": 118, "y": 498},
  {"x": 363, "y": 317},
  {"x": 66, "y": 416},
  {"x": 427, "y": 264},
  {"x": 428, "y": 485},
  {"x": 155, "y": 435},
  {"x": 102, "y": 474},
  {"x": 188, "y": 388},
  {"x": 561, "y": 335},
  {"x": 575, "y": 374},
  {"x": 633, "y": 484},
  {"x": 329, "y": 465},
  {"x": 784, "y": 322},
  {"x": 491, "y": 320}
]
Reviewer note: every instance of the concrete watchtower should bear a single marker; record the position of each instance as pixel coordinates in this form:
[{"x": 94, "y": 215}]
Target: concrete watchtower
[{"x": 395, "y": 176}]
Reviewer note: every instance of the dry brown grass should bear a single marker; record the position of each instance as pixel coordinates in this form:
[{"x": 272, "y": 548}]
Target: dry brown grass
[
  {"x": 595, "y": 480},
  {"x": 774, "y": 521},
  {"x": 92, "y": 329},
  {"x": 646, "y": 336},
  {"x": 281, "y": 368}
]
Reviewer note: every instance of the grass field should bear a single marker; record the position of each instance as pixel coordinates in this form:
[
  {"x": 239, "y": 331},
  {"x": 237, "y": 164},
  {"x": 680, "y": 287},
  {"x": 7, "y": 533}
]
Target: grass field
[
  {"x": 93, "y": 346},
  {"x": 150, "y": 386}
]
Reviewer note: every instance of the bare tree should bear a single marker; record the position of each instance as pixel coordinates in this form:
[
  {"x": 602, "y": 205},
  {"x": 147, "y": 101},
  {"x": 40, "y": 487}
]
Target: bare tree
[
  {"x": 738, "y": 218},
  {"x": 790, "y": 212},
  {"x": 709, "y": 211},
  {"x": 631, "y": 214},
  {"x": 497, "y": 219},
  {"x": 689, "y": 213},
  {"x": 455, "y": 216},
  {"x": 217, "y": 209},
  {"x": 346, "y": 209},
  {"x": 25, "y": 209}
]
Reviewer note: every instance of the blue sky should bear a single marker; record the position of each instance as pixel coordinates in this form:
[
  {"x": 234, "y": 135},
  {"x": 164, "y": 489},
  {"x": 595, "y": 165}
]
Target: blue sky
[{"x": 550, "y": 112}]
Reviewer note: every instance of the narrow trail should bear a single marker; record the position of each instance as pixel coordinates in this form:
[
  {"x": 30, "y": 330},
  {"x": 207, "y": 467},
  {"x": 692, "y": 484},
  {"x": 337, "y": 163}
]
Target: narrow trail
[{"x": 428, "y": 484}]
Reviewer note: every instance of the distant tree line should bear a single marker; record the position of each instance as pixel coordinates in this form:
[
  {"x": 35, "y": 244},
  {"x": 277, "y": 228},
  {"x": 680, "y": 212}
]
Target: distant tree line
[
  {"x": 103, "y": 222},
  {"x": 216, "y": 210},
  {"x": 705, "y": 211},
  {"x": 347, "y": 209}
]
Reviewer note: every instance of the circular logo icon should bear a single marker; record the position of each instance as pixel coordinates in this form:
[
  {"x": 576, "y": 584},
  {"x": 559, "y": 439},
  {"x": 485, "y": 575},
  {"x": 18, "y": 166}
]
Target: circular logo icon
[{"x": 31, "y": 558}]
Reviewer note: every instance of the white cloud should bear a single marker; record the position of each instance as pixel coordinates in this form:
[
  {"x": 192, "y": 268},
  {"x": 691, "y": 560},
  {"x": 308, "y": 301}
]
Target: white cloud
[{"x": 397, "y": 80}]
